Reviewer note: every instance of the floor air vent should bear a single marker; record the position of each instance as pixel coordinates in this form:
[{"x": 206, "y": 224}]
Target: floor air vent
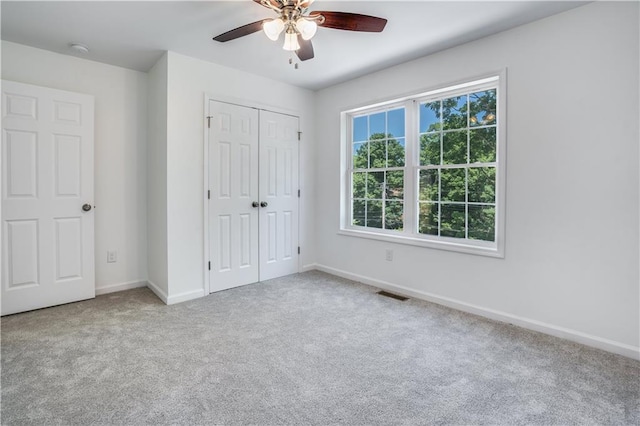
[{"x": 391, "y": 295}]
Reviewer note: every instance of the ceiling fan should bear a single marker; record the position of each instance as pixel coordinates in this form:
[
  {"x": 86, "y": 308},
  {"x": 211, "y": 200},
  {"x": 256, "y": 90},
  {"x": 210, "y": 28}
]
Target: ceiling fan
[{"x": 299, "y": 25}]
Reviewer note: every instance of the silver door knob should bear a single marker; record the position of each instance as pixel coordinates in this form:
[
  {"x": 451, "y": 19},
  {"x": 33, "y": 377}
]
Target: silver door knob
[
  {"x": 264, "y": 204},
  {"x": 86, "y": 207}
]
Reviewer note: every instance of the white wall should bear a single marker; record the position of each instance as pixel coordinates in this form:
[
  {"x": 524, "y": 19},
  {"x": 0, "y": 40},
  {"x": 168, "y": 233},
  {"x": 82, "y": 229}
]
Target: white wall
[
  {"x": 157, "y": 179},
  {"x": 120, "y": 152},
  {"x": 189, "y": 79},
  {"x": 571, "y": 264}
]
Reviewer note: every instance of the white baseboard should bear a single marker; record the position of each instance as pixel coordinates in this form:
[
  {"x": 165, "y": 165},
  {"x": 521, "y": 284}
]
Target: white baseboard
[
  {"x": 310, "y": 267},
  {"x": 169, "y": 300},
  {"x": 173, "y": 299},
  {"x": 531, "y": 324},
  {"x": 183, "y": 297},
  {"x": 158, "y": 292},
  {"x": 112, "y": 288}
]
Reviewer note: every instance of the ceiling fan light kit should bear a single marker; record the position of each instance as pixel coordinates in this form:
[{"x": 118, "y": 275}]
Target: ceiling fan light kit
[
  {"x": 299, "y": 25},
  {"x": 291, "y": 41},
  {"x": 306, "y": 28},
  {"x": 273, "y": 28}
]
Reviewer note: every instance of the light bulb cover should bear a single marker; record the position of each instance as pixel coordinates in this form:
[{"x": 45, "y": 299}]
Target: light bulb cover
[
  {"x": 291, "y": 41},
  {"x": 306, "y": 28},
  {"x": 273, "y": 28}
]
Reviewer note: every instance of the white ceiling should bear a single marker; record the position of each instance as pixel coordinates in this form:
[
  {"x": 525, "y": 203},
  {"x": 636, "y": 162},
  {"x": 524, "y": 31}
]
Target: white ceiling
[{"x": 134, "y": 34}]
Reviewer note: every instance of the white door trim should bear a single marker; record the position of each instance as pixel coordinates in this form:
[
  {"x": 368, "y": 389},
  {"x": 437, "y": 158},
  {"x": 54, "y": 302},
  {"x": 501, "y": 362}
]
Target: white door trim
[{"x": 205, "y": 200}]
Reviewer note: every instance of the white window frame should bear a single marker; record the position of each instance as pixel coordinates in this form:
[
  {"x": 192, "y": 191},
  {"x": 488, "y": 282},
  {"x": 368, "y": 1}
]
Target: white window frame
[{"x": 409, "y": 235}]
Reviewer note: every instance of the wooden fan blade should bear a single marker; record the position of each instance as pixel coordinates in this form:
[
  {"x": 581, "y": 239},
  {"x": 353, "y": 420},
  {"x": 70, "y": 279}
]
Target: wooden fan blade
[
  {"x": 351, "y": 21},
  {"x": 306, "y": 49},
  {"x": 240, "y": 31}
]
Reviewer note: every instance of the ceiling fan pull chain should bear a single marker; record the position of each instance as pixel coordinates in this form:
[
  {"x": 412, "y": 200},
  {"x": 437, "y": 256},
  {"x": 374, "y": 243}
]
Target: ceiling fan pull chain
[{"x": 295, "y": 65}]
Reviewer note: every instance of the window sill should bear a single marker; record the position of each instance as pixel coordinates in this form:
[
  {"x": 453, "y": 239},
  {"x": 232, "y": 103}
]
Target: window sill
[{"x": 420, "y": 242}]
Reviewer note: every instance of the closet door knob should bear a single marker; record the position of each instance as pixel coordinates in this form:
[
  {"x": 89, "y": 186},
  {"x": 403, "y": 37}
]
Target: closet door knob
[
  {"x": 264, "y": 204},
  {"x": 254, "y": 204}
]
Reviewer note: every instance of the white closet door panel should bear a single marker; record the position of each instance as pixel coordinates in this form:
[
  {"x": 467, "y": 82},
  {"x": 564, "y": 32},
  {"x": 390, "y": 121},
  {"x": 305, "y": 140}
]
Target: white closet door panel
[
  {"x": 233, "y": 221},
  {"x": 279, "y": 189}
]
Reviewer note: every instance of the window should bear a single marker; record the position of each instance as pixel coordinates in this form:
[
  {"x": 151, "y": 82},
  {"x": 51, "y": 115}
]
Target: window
[
  {"x": 378, "y": 169},
  {"x": 428, "y": 169}
]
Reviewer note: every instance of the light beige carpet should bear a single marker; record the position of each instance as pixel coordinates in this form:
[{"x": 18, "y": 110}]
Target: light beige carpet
[{"x": 304, "y": 349}]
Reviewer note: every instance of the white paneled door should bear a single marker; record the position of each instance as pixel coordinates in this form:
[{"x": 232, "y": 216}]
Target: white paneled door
[
  {"x": 253, "y": 205},
  {"x": 233, "y": 182},
  {"x": 278, "y": 195},
  {"x": 47, "y": 197}
]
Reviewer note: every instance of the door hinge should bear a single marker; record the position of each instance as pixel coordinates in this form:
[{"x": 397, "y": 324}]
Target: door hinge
[
  {"x": 209, "y": 265},
  {"x": 209, "y": 121},
  {"x": 208, "y": 194},
  {"x": 298, "y": 249},
  {"x": 299, "y": 135},
  {"x": 298, "y": 193}
]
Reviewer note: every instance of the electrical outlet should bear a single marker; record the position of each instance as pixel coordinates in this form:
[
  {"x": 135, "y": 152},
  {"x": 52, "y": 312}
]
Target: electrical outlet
[
  {"x": 389, "y": 255},
  {"x": 112, "y": 256}
]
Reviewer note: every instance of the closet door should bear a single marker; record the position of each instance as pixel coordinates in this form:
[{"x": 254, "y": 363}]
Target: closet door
[
  {"x": 278, "y": 195},
  {"x": 233, "y": 182},
  {"x": 253, "y": 205}
]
